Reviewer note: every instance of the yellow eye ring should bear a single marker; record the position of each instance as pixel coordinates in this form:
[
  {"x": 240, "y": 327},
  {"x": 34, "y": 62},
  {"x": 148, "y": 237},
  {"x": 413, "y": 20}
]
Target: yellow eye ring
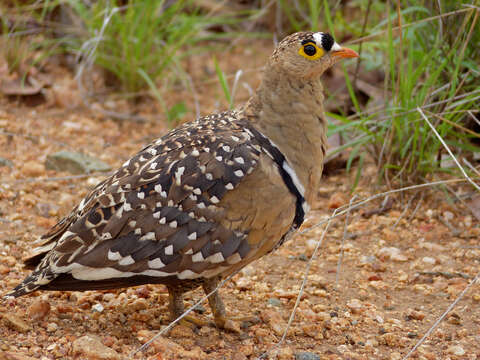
[{"x": 311, "y": 51}]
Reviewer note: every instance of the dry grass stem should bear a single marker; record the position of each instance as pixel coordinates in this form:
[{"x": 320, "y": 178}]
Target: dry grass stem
[{"x": 448, "y": 149}]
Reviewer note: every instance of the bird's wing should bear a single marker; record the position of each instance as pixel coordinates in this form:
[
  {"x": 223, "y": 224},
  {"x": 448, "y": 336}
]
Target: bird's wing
[{"x": 166, "y": 212}]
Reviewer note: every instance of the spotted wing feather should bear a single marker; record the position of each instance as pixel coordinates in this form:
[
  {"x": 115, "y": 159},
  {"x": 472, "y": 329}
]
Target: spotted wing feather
[{"x": 157, "y": 216}]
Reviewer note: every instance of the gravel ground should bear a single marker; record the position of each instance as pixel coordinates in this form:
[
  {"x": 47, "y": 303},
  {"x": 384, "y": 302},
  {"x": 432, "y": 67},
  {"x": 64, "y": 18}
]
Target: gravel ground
[{"x": 402, "y": 264}]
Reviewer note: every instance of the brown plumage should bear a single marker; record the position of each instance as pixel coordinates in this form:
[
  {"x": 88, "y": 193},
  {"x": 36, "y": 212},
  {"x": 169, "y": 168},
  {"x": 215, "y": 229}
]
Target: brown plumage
[{"x": 207, "y": 198}]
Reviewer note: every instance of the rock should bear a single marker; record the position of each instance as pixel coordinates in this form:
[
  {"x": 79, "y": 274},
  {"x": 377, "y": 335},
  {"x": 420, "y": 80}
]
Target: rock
[
  {"x": 283, "y": 353},
  {"x": 243, "y": 283},
  {"x": 181, "y": 331},
  {"x": 39, "y": 309},
  {"x": 355, "y": 306},
  {"x": 97, "y": 308},
  {"x": 456, "y": 350},
  {"x": 390, "y": 340},
  {"x": 311, "y": 244},
  {"x": 169, "y": 349},
  {"x": 4, "y": 269},
  {"x": 33, "y": 169},
  {"x": 46, "y": 210},
  {"x": 414, "y": 315},
  {"x": 75, "y": 163},
  {"x": 336, "y": 200},
  {"x": 304, "y": 355},
  {"x": 142, "y": 292},
  {"x": 52, "y": 327},
  {"x": 429, "y": 260},
  {"x": 7, "y": 355},
  {"x": 15, "y": 322},
  {"x": 274, "y": 320},
  {"x": 448, "y": 215},
  {"x": 392, "y": 253},
  {"x": 5, "y": 162},
  {"x": 91, "y": 347},
  {"x": 395, "y": 356},
  {"x": 139, "y": 304},
  {"x": 274, "y": 302}
]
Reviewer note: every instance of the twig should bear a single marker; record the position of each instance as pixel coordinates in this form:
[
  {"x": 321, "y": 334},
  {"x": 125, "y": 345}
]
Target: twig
[
  {"x": 339, "y": 263},
  {"x": 474, "y": 213},
  {"x": 188, "y": 311},
  {"x": 445, "y": 274},
  {"x": 359, "y": 59},
  {"x": 337, "y": 213},
  {"x": 302, "y": 287},
  {"x": 379, "y": 33},
  {"x": 440, "y": 319},
  {"x": 26, "y": 136},
  {"x": 470, "y": 112},
  {"x": 471, "y": 166},
  {"x": 376, "y": 196},
  {"x": 90, "y": 47},
  {"x": 448, "y": 149},
  {"x": 61, "y": 178},
  {"x": 404, "y": 211},
  {"x": 416, "y": 207},
  {"x": 236, "y": 80}
]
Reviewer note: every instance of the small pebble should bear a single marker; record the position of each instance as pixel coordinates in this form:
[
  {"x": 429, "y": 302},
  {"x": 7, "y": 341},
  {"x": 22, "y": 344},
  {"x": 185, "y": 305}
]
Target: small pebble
[
  {"x": 304, "y": 355},
  {"x": 199, "y": 309},
  {"x": 392, "y": 253},
  {"x": 337, "y": 200},
  {"x": 302, "y": 257},
  {"x": 274, "y": 320},
  {"x": 248, "y": 270},
  {"x": 33, "y": 169},
  {"x": 15, "y": 322},
  {"x": 5, "y": 162},
  {"x": 97, "y": 308},
  {"x": 52, "y": 327},
  {"x": 395, "y": 355},
  {"x": 243, "y": 283},
  {"x": 355, "y": 306},
  {"x": 447, "y": 215},
  {"x": 274, "y": 302},
  {"x": 456, "y": 350},
  {"x": 311, "y": 244},
  {"x": 91, "y": 347},
  {"x": 429, "y": 260},
  {"x": 283, "y": 353},
  {"x": 468, "y": 221},
  {"x": 38, "y": 309}
]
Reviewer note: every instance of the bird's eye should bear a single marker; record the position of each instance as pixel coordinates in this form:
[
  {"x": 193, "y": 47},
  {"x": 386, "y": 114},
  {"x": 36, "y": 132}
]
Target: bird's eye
[{"x": 309, "y": 50}]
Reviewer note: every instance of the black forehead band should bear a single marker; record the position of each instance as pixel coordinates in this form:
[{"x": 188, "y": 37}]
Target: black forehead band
[
  {"x": 307, "y": 41},
  {"x": 327, "y": 41}
]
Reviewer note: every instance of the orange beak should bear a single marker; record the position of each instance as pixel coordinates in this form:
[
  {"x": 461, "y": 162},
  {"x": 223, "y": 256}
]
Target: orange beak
[{"x": 345, "y": 53}]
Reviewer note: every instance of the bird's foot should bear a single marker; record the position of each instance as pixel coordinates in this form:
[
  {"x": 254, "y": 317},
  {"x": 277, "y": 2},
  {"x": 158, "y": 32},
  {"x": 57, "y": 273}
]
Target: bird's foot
[
  {"x": 192, "y": 322},
  {"x": 225, "y": 323}
]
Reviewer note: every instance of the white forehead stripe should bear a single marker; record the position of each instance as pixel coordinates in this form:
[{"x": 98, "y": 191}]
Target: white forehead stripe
[{"x": 318, "y": 39}]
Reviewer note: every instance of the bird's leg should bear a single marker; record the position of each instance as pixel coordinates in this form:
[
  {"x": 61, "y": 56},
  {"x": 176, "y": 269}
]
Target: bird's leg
[
  {"x": 177, "y": 308},
  {"x": 217, "y": 306}
]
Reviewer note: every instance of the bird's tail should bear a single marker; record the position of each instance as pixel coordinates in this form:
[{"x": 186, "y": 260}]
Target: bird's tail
[{"x": 31, "y": 283}]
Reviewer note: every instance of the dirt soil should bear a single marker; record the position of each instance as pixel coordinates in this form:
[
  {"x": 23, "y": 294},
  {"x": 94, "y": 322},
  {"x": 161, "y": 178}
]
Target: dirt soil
[{"x": 401, "y": 266}]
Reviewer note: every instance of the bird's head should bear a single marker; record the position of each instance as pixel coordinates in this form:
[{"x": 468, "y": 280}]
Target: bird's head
[{"x": 308, "y": 54}]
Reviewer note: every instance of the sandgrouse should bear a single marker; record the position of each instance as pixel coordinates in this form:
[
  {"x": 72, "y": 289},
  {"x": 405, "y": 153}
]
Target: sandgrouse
[{"x": 207, "y": 198}]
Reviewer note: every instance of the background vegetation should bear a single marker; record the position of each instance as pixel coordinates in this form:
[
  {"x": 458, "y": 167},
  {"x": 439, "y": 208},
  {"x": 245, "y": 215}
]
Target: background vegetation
[{"x": 425, "y": 56}]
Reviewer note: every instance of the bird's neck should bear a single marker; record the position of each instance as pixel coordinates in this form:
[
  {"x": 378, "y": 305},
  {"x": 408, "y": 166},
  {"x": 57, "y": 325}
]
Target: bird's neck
[{"x": 289, "y": 111}]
